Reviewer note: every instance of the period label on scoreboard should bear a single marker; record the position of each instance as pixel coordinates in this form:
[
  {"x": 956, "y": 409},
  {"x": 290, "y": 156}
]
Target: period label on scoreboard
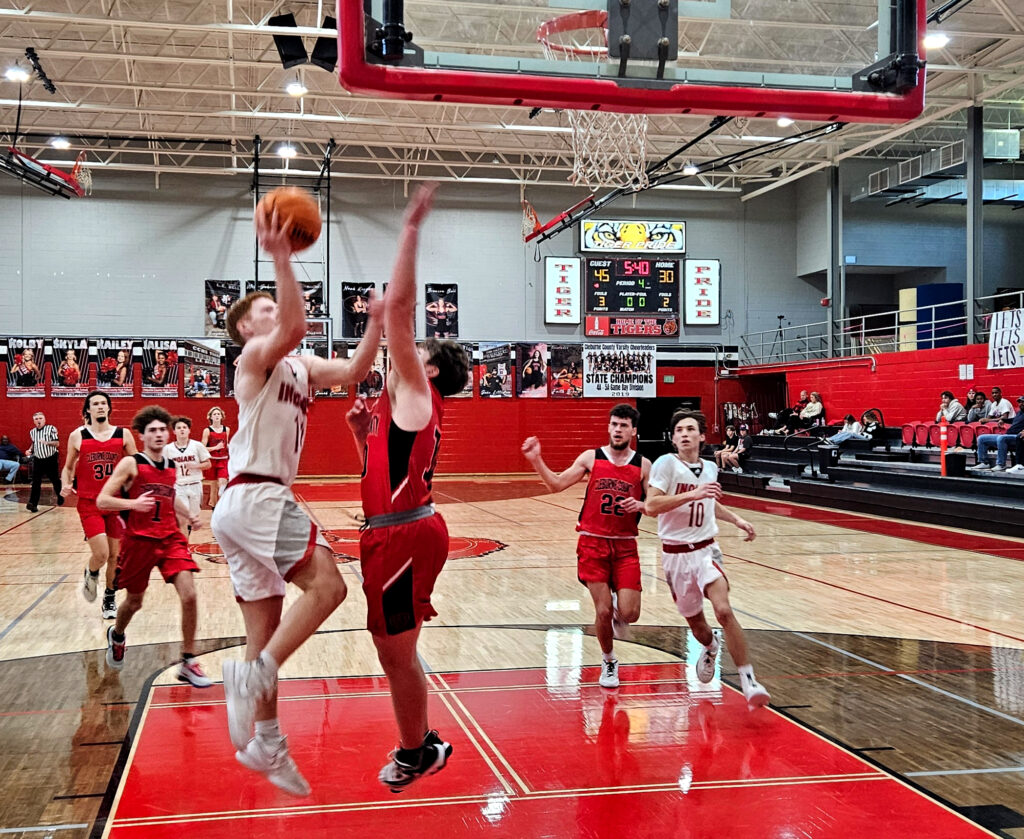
[{"x": 634, "y": 296}]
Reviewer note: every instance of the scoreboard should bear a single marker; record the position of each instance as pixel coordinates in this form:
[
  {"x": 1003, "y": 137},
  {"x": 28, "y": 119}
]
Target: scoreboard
[{"x": 633, "y": 287}]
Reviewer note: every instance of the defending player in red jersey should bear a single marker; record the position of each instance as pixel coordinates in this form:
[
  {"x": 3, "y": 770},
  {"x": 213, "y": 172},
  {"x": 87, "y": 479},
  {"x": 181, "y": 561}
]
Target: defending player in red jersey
[
  {"x": 215, "y": 437},
  {"x": 94, "y": 449},
  {"x": 142, "y": 489},
  {"x": 608, "y": 563},
  {"x": 405, "y": 542}
]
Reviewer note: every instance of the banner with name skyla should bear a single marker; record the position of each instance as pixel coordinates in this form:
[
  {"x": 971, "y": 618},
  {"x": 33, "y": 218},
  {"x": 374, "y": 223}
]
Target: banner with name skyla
[
  {"x": 619, "y": 370},
  {"x": 1006, "y": 340}
]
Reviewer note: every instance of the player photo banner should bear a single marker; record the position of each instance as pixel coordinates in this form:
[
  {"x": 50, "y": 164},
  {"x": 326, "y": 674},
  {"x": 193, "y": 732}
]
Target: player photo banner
[
  {"x": 566, "y": 367},
  {"x": 202, "y": 369},
  {"x": 339, "y": 349},
  {"x": 313, "y": 295},
  {"x": 220, "y": 294},
  {"x": 70, "y": 367},
  {"x": 231, "y": 353},
  {"x": 619, "y": 370},
  {"x": 355, "y": 308},
  {"x": 373, "y": 385},
  {"x": 26, "y": 367},
  {"x": 495, "y": 371},
  {"x": 467, "y": 391},
  {"x": 442, "y": 306},
  {"x": 159, "y": 368},
  {"x": 115, "y": 370},
  {"x": 1006, "y": 340},
  {"x": 532, "y": 371}
]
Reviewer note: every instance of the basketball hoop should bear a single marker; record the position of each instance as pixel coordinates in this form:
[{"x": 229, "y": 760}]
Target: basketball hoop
[
  {"x": 609, "y": 149},
  {"x": 531, "y": 223},
  {"x": 81, "y": 174}
]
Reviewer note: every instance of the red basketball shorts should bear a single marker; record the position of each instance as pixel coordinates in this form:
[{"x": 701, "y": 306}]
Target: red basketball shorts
[
  {"x": 612, "y": 561},
  {"x": 400, "y": 564},
  {"x": 96, "y": 522},
  {"x": 140, "y": 556},
  {"x": 218, "y": 470}
]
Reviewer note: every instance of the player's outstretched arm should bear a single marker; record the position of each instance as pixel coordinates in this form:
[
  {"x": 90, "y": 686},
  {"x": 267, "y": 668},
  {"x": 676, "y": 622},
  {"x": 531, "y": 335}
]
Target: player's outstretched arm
[
  {"x": 408, "y": 384},
  {"x": 67, "y": 477},
  {"x": 325, "y": 373},
  {"x": 110, "y": 497},
  {"x": 636, "y": 505},
  {"x": 723, "y": 513},
  {"x": 358, "y": 419},
  {"x": 556, "y": 482}
]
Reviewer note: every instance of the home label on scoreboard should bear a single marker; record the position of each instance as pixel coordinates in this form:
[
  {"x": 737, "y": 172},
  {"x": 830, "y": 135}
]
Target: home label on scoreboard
[{"x": 632, "y": 296}]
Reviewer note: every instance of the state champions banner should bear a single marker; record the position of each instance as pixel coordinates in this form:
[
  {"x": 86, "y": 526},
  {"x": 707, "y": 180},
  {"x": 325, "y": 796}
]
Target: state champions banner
[
  {"x": 624, "y": 371},
  {"x": 1006, "y": 340}
]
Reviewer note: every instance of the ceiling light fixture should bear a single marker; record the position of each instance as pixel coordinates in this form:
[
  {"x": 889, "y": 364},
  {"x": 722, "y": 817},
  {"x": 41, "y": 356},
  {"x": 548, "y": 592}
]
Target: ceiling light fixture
[
  {"x": 935, "y": 40},
  {"x": 61, "y": 143},
  {"x": 287, "y": 151},
  {"x": 784, "y": 122},
  {"x": 296, "y": 88},
  {"x": 16, "y": 74},
  {"x": 690, "y": 169}
]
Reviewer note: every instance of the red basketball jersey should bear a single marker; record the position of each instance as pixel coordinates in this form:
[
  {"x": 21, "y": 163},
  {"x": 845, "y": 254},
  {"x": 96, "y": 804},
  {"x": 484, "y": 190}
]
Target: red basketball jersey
[
  {"x": 96, "y": 461},
  {"x": 218, "y": 437},
  {"x": 601, "y": 513},
  {"x": 398, "y": 466},
  {"x": 156, "y": 478}
]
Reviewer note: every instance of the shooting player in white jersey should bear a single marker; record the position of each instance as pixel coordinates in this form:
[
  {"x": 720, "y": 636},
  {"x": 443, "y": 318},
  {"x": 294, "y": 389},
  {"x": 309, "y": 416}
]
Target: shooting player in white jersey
[
  {"x": 683, "y": 493},
  {"x": 267, "y": 538},
  {"x": 190, "y": 458}
]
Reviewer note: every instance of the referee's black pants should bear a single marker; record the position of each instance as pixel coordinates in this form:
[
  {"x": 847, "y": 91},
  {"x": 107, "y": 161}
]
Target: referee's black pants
[{"x": 44, "y": 467}]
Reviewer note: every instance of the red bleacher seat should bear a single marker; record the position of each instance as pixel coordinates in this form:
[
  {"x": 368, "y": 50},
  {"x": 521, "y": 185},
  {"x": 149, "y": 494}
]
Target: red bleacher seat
[
  {"x": 921, "y": 433},
  {"x": 910, "y": 433}
]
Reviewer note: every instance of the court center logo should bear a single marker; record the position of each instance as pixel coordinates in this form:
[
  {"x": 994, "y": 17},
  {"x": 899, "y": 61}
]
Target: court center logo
[{"x": 345, "y": 547}]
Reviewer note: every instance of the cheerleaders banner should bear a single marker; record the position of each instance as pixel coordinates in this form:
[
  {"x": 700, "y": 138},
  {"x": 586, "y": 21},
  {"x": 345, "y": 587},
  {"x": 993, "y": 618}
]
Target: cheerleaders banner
[
  {"x": 220, "y": 294},
  {"x": 566, "y": 371},
  {"x": 442, "y": 306},
  {"x": 619, "y": 370},
  {"x": 495, "y": 371},
  {"x": 115, "y": 372},
  {"x": 355, "y": 309},
  {"x": 25, "y": 367},
  {"x": 70, "y": 367},
  {"x": 159, "y": 368},
  {"x": 532, "y": 369},
  {"x": 201, "y": 361}
]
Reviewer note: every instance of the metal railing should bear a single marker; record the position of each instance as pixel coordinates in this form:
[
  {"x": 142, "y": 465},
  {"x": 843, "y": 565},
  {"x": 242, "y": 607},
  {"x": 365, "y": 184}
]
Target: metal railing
[{"x": 924, "y": 327}]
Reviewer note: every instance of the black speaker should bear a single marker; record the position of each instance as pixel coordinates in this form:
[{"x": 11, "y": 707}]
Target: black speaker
[
  {"x": 289, "y": 47},
  {"x": 325, "y": 50}
]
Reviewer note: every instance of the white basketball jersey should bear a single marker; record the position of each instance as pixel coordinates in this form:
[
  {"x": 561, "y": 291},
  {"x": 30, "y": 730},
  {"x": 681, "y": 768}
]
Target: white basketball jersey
[
  {"x": 272, "y": 427},
  {"x": 194, "y": 452},
  {"x": 695, "y": 520}
]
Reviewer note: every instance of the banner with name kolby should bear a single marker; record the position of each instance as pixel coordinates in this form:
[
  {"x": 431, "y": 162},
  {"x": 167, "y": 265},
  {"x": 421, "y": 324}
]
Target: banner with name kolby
[
  {"x": 26, "y": 367},
  {"x": 1006, "y": 340},
  {"x": 619, "y": 370},
  {"x": 159, "y": 368},
  {"x": 70, "y": 369},
  {"x": 115, "y": 368}
]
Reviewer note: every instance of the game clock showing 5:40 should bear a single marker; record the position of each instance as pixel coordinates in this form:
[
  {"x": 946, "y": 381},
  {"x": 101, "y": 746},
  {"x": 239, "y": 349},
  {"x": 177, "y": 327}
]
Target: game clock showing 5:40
[{"x": 632, "y": 287}]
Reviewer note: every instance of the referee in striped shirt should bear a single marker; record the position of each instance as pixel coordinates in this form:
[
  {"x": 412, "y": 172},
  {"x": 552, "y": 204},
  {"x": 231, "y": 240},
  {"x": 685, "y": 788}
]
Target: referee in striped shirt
[{"x": 44, "y": 451}]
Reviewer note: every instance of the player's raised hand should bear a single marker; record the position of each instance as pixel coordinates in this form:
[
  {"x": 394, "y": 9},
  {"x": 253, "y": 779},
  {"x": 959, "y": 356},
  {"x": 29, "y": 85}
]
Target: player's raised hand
[
  {"x": 358, "y": 417},
  {"x": 375, "y": 305},
  {"x": 531, "y": 448},
  {"x": 711, "y": 490},
  {"x": 144, "y": 503},
  {"x": 747, "y": 528},
  {"x": 420, "y": 204},
  {"x": 631, "y": 505},
  {"x": 272, "y": 232}
]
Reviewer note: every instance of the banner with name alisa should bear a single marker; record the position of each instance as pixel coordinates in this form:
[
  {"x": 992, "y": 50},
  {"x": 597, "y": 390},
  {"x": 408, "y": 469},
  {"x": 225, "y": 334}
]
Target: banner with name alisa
[{"x": 1006, "y": 340}]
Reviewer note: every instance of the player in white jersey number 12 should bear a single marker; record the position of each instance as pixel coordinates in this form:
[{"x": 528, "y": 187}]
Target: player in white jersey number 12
[
  {"x": 683, "y": 492},
  {"x": 267, "y": 539}
]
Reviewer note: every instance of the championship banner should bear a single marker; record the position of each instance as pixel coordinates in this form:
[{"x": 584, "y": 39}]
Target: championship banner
[
  {"x": 373, "y": 385},
  {"x": 467, "y": 391},
  {"x": 355, "y": 308},
  {"x": 1006, "y": 340},
  {"x": 220, "y": 294},
  {"x": 313, "y": 295},
  {"x": 339, "y": 349},
  {"x": 26, "y": 368},
  {"x": 202, "y": 369},
  {"x": 566, "y": 371},
  {"x": 619, "y": 370},
  {"x": 70, "y": 368},
  {"x": 231, "y": 353},
  {"x": 495, "y": 370},
  {"x": 115, "y": 372},
  {"x": 159, "y": 368},
  {"x": 630, "y": 235},
  {"x": 532, "y": 371},
  {"x": 442, "y": 307}
]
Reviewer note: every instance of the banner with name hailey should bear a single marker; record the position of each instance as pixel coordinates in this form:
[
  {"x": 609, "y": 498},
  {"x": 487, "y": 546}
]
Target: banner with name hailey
[
  {"x": 201, "y": 360},
  {"x": 442, "y": 307},
  {"x": 159, "y": 368},
  {"x": 495, "y": 370},
  {"x": 26, "y": 367},
  {"x": 70, "y": 370},
  {"x": 619, "y": 370},
  {"x": 566, "y": 371},
  {"x": 220, "y": 294},
  {"x": 115, "y": 370},
  {"x": 1006, "y": 340}
]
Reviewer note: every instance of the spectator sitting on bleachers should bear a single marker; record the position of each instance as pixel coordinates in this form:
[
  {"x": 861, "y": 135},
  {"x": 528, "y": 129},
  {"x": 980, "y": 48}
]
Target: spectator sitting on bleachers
[
  {"x": 1013, "y": 435},
  {"x": 728, "y": 444},
  {"x": 952, "y": 410},
  {"x": 979, "y": 408},
  {"x": 1001, "y": 410},
  {"x": 10, "y": 459},
  {"x": 813, "y": 413},
  {"x": 873, "y": 428},
  {"x": 738, "y": 456},
  {"x": 784, "y": 416},
  {"x": 851, "y": 430}
]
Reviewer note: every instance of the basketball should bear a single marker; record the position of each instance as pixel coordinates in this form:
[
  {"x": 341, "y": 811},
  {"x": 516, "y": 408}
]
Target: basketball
[{"x": 300, "y": 208}]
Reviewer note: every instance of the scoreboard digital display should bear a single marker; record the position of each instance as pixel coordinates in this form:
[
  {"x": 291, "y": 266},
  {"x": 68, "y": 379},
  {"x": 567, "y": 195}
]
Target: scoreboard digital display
[{"x": 638, "y": 287}]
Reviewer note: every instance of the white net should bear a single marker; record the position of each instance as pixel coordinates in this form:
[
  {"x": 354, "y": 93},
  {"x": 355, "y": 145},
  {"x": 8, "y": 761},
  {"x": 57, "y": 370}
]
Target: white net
[
  {"x": 609, "y": 149},
  {"x": 85, "y": 180}
]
